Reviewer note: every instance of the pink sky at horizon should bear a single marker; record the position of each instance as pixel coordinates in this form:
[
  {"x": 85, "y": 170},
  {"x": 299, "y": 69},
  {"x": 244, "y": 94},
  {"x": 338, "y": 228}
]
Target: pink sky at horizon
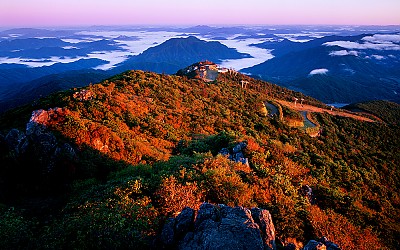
[{"x": 27, "y": 13}]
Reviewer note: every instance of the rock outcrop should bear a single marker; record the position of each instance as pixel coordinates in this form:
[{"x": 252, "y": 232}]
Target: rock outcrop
[
  {"x": 220, "y": 227},
  {"x": 264, "y": 220},
  {"x": 83, "y": 95},
  {"x": 16, "y": 141},
  {"x": 321, "y": 244},
  {"x": 224, "y": 227},
  {"x": 237, "y": 153},
  {"x": 307, "y": 192},
  {"x": 38, "y": 143},
  {"x": 42, "y": 118}
]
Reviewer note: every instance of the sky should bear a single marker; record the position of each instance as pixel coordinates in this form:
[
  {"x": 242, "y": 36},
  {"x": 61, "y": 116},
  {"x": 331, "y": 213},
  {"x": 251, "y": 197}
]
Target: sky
[{"x": 32, "y": 13}]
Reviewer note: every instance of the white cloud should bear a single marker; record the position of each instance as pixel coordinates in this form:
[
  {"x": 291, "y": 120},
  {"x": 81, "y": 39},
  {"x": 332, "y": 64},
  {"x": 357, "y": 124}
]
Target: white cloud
[
  {"x": 304, "y": 36},
  {"x": 378, "y": 57},
  {"x": 299, "y": 38},
  {"x": 75, "y": 40},
  {"x": 319, "y": 72},
  {"x": 382, "y": 38},
  {"x": 368, "y": 45},
  {"x": 243, "y": 46},
  {"x": 113, "y": 58},
  {"x": 351, "y": 71},
  {"x": 344, "y": 53},
  {"x": 70, "y": 47},
  {"x": 39, "y": 62}
]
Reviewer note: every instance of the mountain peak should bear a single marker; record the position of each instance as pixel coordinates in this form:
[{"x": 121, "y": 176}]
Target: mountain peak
[
  {"x": 193, "y": 38},
  {"x": 176, "y": 53}
]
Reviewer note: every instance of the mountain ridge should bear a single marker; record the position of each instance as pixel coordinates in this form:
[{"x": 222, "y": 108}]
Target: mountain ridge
[
  {"x": 123, "y": 155},
  {"x": 180, "y": 52},
  {"x": 353, "y": 74}
]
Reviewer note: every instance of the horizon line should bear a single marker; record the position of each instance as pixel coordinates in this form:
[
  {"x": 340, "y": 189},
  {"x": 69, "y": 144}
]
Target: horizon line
[{"x": 191, "y": 25}]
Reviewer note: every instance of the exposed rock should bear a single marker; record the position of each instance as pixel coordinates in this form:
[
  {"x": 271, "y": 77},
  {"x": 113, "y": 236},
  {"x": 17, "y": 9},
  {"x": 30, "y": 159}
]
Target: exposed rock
[
  {"x": 167, "y": 234},
  {"x": 42, "y": 118},
  {"x": 45, "y": 145},
  {"x": 38, "y": 144},
  {"x": 237, "y": 154},
  {"x": 99, "y": 145},
  {"x": 184, "y": 221},
  {"x": 235, "y": 230},
  {"x": 314, "y": 245},
  {"x": 322, "y": 244},
  {"x": 207, "y": 211},
  {"x": 263, "y": 110},
  {"x": 224, "y": 152},
  {"x": 307, "y": 192},
  {"x": 220, "y": 227},
  {"x": 239, "y": 157},
  {"x": 290, "y": 246},
  {"x": 83, "y": 95},
  {"x": 16, "y": 141},
  {"x": 224, "y": 227},
  {"x": 239, "y": 147},
  {"x": 329, "y": 244},
  {"x": 65, "y": 151},
  {"x": 264, "y": 220}
]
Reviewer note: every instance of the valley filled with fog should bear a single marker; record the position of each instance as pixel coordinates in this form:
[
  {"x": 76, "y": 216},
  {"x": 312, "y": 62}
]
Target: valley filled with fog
[{"x": 304, "y": 58}]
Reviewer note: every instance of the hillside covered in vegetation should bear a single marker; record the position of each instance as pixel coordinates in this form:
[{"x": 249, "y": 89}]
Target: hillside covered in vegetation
[
  {"x": 385, "y": 110},
  {"x": 104, "y": 166}
]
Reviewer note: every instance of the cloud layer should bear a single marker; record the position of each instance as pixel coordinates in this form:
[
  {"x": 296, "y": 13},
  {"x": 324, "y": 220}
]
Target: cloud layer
[
  {"x": 344, "y": 53},
  {"x": 319, "y": 72},
  {"x": 375, "y": 42}
]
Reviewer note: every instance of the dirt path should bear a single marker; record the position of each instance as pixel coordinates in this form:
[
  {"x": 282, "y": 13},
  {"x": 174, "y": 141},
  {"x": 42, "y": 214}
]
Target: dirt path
[{"x": 310, "y": 108}]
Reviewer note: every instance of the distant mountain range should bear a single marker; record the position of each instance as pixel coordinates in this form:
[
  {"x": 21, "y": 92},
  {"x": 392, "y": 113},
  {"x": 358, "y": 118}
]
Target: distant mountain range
[
  {"x": 22, "y": 84},
  {"x": 43, "y": 48},
  {"x": 336, "y": 69},
  {"x": 333, "y": 64}
]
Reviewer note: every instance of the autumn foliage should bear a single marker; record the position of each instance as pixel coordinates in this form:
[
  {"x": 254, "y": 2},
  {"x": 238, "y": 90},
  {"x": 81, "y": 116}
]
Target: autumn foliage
[{"x": 148, "y": 145}]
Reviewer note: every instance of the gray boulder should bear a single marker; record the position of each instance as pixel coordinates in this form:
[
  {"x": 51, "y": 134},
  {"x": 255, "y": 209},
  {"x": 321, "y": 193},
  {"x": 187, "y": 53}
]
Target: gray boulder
[
  {"x": 237, "y": 155},
  {"x": 234, "y": 229},
  {"x": 168, "y": 233},
  {"x": 329, "y": 244},
  {"x": 321, "y": 244},
  {"x": 224, "y": 152},
  {"x": 16, "y": 141},
  {"x": 38, "y": 144},
  {"x": 207, "y": 211},
  {"x": 314, "y": 245},
  {"x": 239, "y": 147},
  {"x": 220, "y": 227},
  {"x": 290, "y": 246},
  {"x": 184, "y": 221}
]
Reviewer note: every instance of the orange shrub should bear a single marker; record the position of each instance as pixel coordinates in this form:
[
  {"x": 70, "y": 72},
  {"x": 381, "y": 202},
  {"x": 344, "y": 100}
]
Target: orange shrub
[
  {"x": 172, "y": 196},
  {"x": 341, "y": 231},
  {"x": 223, "y": 184}
]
